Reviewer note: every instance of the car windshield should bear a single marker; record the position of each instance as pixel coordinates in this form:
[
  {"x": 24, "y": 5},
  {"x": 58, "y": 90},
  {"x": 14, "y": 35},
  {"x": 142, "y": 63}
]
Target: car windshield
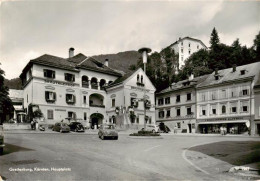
[{"x": 109, "y": 127}]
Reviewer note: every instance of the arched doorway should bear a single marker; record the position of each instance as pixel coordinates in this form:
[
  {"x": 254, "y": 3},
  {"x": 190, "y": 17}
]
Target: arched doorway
[{"x": 96, "y": 119}]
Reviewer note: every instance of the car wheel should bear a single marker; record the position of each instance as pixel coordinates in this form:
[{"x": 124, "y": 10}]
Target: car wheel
[
  {"x": 153, "y": 131},
  {"x": 102, "y": 137},
  {"x": 52, "y": 129},
  {"x": 116, "y": 138},
  {"x": 76, "y": 130},
  {"x": 1, "y": 151},
  {"x": 60, "y": 130}
]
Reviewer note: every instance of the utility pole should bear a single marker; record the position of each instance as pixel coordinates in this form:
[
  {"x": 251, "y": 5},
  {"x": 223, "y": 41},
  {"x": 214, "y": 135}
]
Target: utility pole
[{"x": 144, "y": 51}]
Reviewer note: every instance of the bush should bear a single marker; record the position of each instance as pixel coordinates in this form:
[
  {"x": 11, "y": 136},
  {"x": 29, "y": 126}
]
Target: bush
[{"x": 144, "y": 133}]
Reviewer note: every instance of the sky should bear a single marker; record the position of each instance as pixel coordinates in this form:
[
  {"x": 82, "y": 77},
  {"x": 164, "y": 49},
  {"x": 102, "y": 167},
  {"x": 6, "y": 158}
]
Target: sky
[{"x": 29, "y": 29}]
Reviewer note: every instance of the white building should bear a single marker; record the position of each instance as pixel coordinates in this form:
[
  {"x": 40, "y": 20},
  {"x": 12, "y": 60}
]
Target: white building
[
  {"x": 185, "y": 47},
  {"x": 72, "y": 88},
  {"x": 227, "y": 98}
]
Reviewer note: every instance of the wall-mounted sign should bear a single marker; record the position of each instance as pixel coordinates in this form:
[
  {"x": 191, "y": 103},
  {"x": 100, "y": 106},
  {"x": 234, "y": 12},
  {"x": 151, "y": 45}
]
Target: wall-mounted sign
[
  {"x": 59, "y": 83},
  {"x": 133, "y": 94},
  {"x": 84, "y": 92},
  {"x": 70, "y": 90},
  {"x": 64, "y": 110},
  {"x": 112, "y": 96},
  {"x": 139, "y": 89}
]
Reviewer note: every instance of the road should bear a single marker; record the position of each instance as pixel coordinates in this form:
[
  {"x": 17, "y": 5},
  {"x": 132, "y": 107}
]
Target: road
[{"x": 86, "y": 157}]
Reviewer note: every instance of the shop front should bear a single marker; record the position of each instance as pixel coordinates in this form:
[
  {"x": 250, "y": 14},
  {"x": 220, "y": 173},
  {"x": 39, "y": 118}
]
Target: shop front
[{"x": 229, "y": 126}]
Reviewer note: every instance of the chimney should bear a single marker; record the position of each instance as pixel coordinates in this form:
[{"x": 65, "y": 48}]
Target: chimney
[
  {"x": 71, "y": 52},
  {"x": 191, "y": 76},
  {"x": 234, "y": 67},
  {"x": 106, "y": 62},
  {"x": 179, "y": 38}
]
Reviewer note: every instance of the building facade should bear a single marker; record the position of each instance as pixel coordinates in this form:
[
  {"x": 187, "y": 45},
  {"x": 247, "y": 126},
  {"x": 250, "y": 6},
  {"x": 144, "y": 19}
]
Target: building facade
[
  {"x": 185, "y": 47},
  {"x": 176, "y": 105},
  {"x": 68, "y": 88}
]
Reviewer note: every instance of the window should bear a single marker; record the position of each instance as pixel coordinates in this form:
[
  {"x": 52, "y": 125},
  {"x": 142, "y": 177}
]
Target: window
[
  {"x": 245, "y": 92},
  {"x": 160, "y": 101},
  {"x": 189, "y": 51},
  {"x": 223, "y": 109},
  {"x": 213, "y": 109},
  {"x": 142, "y": 78},
  {"x": 203, "y": 110},
  {"x": 244, "y": 106},
  {"x": 137, "y": 77},
  {"x": 244, "y": 109},
  {"x": 188, "y": 96},
  {"x": 213, "y": 95},
  {"x": 181, "y": 43},
  {"x": 243, "y": 72},
  {"x": 72, "y": 115},
  {"x": 178, "y": 111},
  {"x": 50, "y": 96},
  {"x": 168, "y": 113},
  {"x": 84, "y": 99},
  {"x": 178, "y": 125},
  {"x": 113, "y": 102},
  {"x": 69, "y": 77},
  {"x": 223, "y": 94},
  {"x": 50, "y": 114},
  {"x": 85, "y": 116},
  {"x": 203, "y": 96},
  {"x": 182, "y": 50},
  {"x": 137, "y": 120},
  {"x": 134, "y": 102},
  {"x": 178, "y": 98},
  {"x": 70, "y": 98},
  {"x": 198, "y": 46},
  {"x": 49, "y": 73},
  {"x": 233, "y": 107},
  {"x": 182, "y": 58},
  {"x": 167, "y": 100},
  {"x": 216, "y": 77},
  {"x": 189, "y": 44},
  {"x": 189, "y": 111},
  {"x": 150, "y": 120},
  {"x": 233, "y": 92},
  {"x": 161, "y": 114}
]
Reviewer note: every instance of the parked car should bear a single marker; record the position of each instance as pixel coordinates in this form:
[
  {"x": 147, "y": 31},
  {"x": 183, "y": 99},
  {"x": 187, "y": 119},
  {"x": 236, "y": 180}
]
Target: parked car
[
  {"x": 107, "y": 131},
  {"x": 152, "y": 127},
  {"x": 2, "y": 145},
  {"x": 164, "y": 128},
  {"x": 76, "y": 126},
  {"x": 61, "y": 127}
]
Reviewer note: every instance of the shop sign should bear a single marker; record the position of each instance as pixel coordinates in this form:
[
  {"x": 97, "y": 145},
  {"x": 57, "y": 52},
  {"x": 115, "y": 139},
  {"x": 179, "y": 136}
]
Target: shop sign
[
  {"x": 223, "y": 119},
  {"x": 59, "y": 83},
  {"x": 139, "y": 89},
  {"x": 60, "y": 110}
]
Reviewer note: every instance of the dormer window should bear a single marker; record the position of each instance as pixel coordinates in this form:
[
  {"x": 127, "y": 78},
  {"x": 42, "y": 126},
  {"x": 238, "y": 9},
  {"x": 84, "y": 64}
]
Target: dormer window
[
  {"x": 69, "y": 77},
  {"x": 243, "y": 72},
  {"x": 137, "y": 77},
  {"x": 142, "y": 79},
  {"x": 189, "y": 44},
  {"x": 49, "y": 73}
]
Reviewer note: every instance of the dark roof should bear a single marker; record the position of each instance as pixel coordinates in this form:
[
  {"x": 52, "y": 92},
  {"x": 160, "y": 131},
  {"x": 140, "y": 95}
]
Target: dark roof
[
  {"x": 227, "y": 75},
  {"x": 77, "y": 58},
  {"x": 120, "y": 80},
  {"x": 194, "y": 39},
  {"x": 95, "y": 65},
  {"x": 72, "y": 64},
  {"x": 184, "y": 84}
]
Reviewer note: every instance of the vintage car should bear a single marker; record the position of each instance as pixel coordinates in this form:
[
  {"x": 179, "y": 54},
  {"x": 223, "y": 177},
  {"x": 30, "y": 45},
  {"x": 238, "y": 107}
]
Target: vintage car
[
  {"x": 107, "y": 131},
  {"x": 2, "y": 145},
  {"x": 152, "y": 127},
  {"x": 61, "y": 127},
  {"x": 76, "y": 126}
]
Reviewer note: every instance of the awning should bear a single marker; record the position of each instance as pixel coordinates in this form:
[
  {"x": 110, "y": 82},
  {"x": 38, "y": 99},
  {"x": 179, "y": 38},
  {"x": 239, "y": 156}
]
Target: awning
[
  {"x": 18, "y": 107},
  {"x": 223, "y": 122}
]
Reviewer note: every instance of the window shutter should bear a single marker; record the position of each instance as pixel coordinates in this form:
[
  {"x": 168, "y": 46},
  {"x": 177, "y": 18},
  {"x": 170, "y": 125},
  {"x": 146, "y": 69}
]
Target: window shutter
[
  {"x": 46, "y": 95},
  {"x": 53, "y": 74},
  {"x": 74, "y": 98},
  {"x": 54, "y": 96},
  {"x": 66, "y": 97},
  {"x": 73, "y": 78}
]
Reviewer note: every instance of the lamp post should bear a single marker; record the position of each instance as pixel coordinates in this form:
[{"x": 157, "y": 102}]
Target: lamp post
[{"x": 144, "y": 51}]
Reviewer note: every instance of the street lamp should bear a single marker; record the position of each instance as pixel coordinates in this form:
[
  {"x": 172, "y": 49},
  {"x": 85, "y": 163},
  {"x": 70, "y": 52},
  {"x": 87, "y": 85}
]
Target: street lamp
[{"x": 144, "y": 51}]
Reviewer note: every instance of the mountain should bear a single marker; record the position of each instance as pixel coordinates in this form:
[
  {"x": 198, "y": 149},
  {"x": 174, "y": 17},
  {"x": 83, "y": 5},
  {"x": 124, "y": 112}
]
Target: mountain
[
  {"x": 15, "y": 83},
  {"x": 120, "y": 61}
]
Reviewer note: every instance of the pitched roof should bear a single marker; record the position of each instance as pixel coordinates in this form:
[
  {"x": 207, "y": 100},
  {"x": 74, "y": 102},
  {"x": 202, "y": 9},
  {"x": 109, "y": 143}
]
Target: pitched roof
[
  {"x": 72, "y": 64},
  {"x": 120, "y": 80},
  {"x": 184, "y": 84},
  {"x": 93, "y": 64},
  {"x": 227, "y": 75},
  {"x": 194, "y": 39}
]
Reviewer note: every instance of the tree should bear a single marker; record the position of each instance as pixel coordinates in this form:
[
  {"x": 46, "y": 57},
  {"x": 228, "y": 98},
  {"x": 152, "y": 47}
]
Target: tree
[
  {"x": 256, "y": 47},
  {"x": 6, "y": 107},
  {"x": 214, "y": 39}
]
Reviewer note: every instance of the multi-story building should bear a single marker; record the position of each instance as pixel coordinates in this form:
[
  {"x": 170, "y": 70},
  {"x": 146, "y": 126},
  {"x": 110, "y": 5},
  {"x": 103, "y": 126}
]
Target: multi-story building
[
  {"x": 227, "y": 98},
  {"x": 72, "y": 88},
  {"x": 256, "y": 123},
  {"x": 176, "y": 105},
  {"x": 185, "y": 47}
]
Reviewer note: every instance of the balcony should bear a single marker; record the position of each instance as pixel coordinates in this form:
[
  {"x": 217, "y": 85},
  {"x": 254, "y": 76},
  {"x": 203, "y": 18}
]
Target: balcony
[
  {"x": 97, "y": 105},
  {"x": 85, "y": 84}
]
